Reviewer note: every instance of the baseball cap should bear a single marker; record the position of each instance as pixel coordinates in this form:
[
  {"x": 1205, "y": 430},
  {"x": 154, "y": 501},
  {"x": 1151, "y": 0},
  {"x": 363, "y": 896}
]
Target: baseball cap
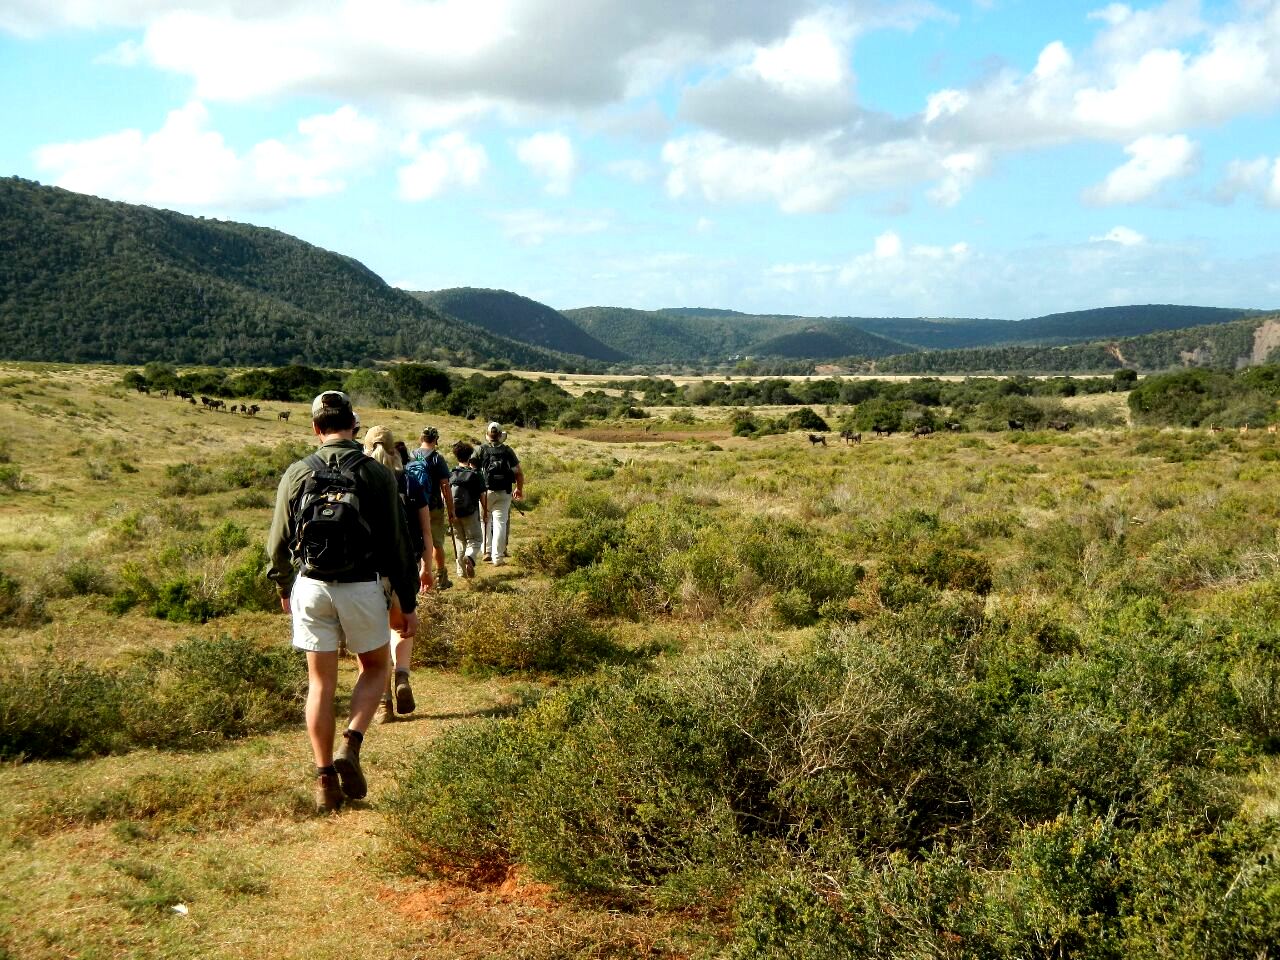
[
  {"x": 495, "y": 428},
  {"x": 330, "y": 400},
  {"x": 379, "y": 435}
]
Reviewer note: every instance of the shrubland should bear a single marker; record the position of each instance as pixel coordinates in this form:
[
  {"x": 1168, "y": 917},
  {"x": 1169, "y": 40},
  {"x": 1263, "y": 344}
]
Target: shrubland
[{"x": 985, "y": 693}]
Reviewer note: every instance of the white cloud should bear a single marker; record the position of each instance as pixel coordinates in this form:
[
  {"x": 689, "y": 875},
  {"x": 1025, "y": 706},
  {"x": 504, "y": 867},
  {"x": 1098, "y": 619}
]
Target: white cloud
[
  {"x": 448, "y": 161},
  {"x": 1258, "y": 178},
  {"x": 551, "y": 158},
  {"x": 437, "y": 51},
  {"x": 187, "y": 165},
  {"x": 897, "y": 278},
  {"x": 1125, "y": 236},
  {"x": 799, "y": 177},
  {"x": 534, "y": 227},
  {"x": 1154, "y": 71},
  {"x": 1153, "y": 162}
]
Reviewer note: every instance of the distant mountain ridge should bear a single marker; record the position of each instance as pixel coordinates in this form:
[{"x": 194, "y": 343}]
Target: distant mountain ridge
[
  {"x": 518, "y": 318},
  {"x": 84, "y": 279},
  {"x": 1223, "y": 346}
]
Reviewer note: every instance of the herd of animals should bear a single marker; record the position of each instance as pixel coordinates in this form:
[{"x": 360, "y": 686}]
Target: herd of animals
[{"x": 850, "y": 437}]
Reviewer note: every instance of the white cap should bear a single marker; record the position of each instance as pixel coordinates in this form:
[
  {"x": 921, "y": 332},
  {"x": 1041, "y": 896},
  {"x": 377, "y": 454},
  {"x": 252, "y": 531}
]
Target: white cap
[{"x": 495, "y": 428}]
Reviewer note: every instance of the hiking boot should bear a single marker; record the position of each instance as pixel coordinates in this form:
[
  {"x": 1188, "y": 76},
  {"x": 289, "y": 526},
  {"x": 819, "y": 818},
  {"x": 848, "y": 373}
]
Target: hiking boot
[
  {"x": 404, "y": 694},
  {"x": 327, "y": 793},
  {"x": 468, "y": 568},
  {"x": 386, "y": 710},
  {"x": 442, "y": 580},
  {"x": 347, "y": 762}
]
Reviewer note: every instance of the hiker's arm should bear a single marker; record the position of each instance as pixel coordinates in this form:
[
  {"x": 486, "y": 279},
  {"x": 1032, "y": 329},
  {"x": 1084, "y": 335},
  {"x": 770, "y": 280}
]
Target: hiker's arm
[
  {"x": 280, "y": 559},
  {"x": 447, "y": 492},
  {"x": 519, "y": 494}
]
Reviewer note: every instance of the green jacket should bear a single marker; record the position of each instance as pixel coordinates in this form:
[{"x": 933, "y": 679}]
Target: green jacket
[{"x": 379, "y": 505}]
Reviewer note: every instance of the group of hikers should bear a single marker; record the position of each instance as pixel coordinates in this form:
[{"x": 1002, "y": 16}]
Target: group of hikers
[{"x": 358, "y": 531}]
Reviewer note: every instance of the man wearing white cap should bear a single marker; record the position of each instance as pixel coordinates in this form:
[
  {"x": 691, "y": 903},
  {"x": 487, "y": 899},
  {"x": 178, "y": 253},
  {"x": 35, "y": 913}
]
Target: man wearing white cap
[
  {"x": 338, "y": 520},
  {"x": 501, "y": 469}
]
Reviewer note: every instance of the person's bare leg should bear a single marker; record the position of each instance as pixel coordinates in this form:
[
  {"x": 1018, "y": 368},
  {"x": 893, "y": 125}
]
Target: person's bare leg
[
  {"x": 322, "y": 683},
  {"x": 367, "y": 692}
]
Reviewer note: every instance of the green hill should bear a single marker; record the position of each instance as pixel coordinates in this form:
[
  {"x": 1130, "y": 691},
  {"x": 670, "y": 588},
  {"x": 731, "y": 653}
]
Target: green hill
[
  {"x": 518, "y": 318},
  {"x": 697, "y": 334},
  {"x": 1079, "y": 326},
  {"x": 84, "y": 279},
  {"x": 1222, "y": 346},
  {"x": 826, "y": 340}
]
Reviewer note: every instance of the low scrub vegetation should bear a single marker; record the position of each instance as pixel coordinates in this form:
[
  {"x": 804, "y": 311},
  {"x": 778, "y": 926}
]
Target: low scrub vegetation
[
  {"x": 204, "y": 691},
  {"x": 934, "y": 781}
]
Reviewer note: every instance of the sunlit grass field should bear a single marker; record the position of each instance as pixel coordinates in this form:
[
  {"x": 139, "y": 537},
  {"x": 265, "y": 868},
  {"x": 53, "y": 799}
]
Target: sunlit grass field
[{"x": 130, "y": 544}]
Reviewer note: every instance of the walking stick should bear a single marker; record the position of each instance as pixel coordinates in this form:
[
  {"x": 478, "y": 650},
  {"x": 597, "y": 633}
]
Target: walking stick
[{"x": 457, "y": 557}]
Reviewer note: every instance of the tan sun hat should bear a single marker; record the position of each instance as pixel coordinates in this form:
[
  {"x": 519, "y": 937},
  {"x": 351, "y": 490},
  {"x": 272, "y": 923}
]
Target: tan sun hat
[{"x": 380, "y": 435}]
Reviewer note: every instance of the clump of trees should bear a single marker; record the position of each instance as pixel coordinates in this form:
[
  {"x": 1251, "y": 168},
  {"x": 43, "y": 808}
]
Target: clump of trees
[{"x": 1194, "y": 398}]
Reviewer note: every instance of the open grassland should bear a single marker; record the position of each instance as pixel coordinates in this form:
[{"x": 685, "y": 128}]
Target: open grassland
[{"x": 973, "y": 694}]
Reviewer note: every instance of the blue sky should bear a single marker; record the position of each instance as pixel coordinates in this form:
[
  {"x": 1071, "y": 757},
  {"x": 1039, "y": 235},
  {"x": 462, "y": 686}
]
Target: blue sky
[{"x": 994, "y": 158}]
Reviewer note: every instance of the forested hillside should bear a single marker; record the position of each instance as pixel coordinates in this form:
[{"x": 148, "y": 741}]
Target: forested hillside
[
  {"x": 84, "y": 279},
  {"x": 519, "y": 318},
  {"x": 1222, "y": 346},
  {"x": 691, "y": 335}
]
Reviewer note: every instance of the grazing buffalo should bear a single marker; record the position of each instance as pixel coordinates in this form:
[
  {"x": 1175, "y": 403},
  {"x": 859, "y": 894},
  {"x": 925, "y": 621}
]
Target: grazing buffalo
[
  {"x": 1059, "y": 425},
  {"x": 817, "y": 438},
  {"x": 880, "y": 431},
  {"x": 848, "y": 436},
  {"x": 253, "y": 410},
  {"x": 921, "y": 431},
  {"x": 1017, "y": 425},
  {"x": 283, "y": 415}
]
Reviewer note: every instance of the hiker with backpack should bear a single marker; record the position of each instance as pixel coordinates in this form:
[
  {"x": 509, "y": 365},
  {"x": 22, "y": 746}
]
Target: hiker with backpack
[
  {"x": 338, "y": 528},
  {"x": 466, "y": 483},
  {"x": 380, "y": 445},
  {"x": 428, "y": 466},
  {"x": 501, "y": 469}
]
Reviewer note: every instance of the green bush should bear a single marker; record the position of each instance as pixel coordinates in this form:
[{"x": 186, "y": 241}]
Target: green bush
[
  {"x": 537, "y": 630},
  {"x": 202, "y": 692},
  {"x": 19, "y": 607},
  {"x": 934, "y": 741}
]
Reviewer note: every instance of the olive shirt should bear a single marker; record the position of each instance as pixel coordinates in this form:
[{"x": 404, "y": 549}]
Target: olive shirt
[{"x": 379, "y": 506}]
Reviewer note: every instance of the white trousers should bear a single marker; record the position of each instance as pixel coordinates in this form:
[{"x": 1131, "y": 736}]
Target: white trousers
[{"x": 499, "y": 524}]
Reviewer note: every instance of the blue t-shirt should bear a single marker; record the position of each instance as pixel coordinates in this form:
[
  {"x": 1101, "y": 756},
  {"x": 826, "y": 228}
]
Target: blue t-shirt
[{"x": 429, "y": 469}]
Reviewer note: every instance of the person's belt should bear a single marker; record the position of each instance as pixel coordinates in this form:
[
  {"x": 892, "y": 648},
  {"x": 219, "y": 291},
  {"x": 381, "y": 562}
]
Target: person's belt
[{"x": 362, "y": 576}]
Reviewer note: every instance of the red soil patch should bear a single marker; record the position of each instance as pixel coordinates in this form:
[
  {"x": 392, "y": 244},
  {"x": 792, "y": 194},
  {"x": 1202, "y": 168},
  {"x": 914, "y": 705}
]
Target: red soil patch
[{"x": 437, "y": 900}]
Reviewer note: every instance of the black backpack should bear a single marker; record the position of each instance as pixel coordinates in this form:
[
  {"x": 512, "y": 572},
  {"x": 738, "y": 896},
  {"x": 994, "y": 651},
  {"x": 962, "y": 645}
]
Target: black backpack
[
  {"x": 464, "y": 499},
  {"x": 331, "y": 538},
  {"x": 497, "y": 470}
]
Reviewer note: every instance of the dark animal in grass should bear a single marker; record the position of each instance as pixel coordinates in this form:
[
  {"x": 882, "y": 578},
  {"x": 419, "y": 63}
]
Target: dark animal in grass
[
  {"x": 191, "y": 400},
  {"x": 1059, "y": 425},
  {"x": 283, "y": 415},
  {"x": 817, "y": 438},
  {"x": 1017, "y": 425},
  {"x": 921, "y": 431},
  {"x": 880, "y": 431},
  {"x": 848, "y": 436},
  {"x": 253, "y": 410},
  {"x": 165, "y": 394},
  {"x": 142, "y": 388}
]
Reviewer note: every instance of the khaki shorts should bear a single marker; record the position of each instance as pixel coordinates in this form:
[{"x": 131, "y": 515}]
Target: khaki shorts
[
  {"x": 439, "y": 534},
  {"x": 326, "y": 613}
]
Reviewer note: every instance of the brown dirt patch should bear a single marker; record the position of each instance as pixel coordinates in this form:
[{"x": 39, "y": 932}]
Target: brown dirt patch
[{"x": 438, "y": 900}]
